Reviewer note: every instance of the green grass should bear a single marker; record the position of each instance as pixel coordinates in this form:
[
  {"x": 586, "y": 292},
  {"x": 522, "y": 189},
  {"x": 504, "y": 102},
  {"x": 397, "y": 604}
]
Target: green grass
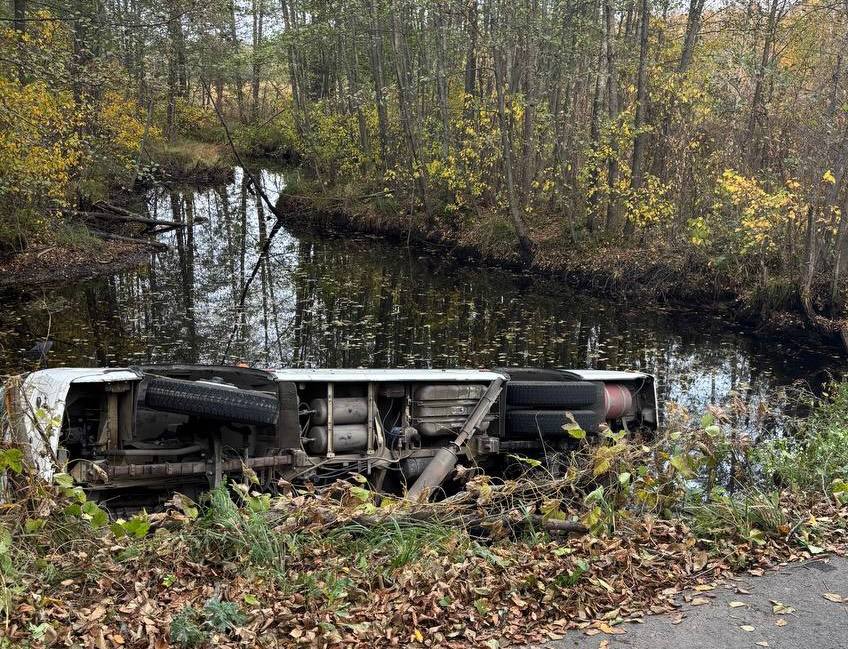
[
  {"x": 188, "y": 160},
  {"x": 238, "y": 535},
  {"x": 391, "y": 546},
  {"x": 813, "y": 453},
  {"x": 749, "y": 516}
]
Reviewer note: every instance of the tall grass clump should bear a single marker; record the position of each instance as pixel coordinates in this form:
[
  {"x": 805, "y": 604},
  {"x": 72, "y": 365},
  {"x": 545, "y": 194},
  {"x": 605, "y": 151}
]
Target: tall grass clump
[
  {"x": 237, "y": 534},
  {"x": 813, "y": 454}
]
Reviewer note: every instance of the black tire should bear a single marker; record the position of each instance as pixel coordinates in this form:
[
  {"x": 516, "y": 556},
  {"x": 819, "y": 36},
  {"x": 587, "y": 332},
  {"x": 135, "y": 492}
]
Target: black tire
[
  {"x": 553, "y": 394},
  {"x": 533, "y": 374},
  {"x": 211, "y": 402},
  {"x": 548, "y": 423}
]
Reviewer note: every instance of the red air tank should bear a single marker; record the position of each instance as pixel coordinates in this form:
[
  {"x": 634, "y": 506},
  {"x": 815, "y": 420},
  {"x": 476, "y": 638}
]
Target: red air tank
[{"x": 617, "y": 400}]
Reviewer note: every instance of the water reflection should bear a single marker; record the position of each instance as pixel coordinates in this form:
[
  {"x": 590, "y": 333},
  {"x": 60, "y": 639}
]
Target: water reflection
[{"x": 356, "y": 301}]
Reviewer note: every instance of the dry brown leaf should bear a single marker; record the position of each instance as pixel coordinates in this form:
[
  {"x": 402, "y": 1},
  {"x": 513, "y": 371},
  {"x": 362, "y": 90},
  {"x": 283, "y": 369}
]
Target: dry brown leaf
[
  {"x": 610, "y": 630},
  {"x": 780, "y": 622},
  {"x": 779, "y": 608},
  {"x": 736, "y": 604},
  {"x": 747, "y": 627},
  {"x": 699, "y": 601},
  {"x": 833, "y": 597}
]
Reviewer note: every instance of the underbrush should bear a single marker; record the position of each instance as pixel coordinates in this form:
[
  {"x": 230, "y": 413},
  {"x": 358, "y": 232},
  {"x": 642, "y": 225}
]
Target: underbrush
[
  {"x": 813, "y": 455},
  {"x": 606, "y": 534}
]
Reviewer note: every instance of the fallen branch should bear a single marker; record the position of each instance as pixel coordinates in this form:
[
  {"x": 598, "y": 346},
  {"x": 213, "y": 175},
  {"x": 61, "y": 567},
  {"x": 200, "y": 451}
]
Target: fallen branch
[
  {"x": 108, "y": 216},
  {"x": 117, "y": 237},
  {"x": 115, "y": 209},
  {"x": 437, "y": 513}
]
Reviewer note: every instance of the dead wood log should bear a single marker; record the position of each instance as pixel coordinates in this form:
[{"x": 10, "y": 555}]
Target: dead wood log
[
  {"x": 117, "y": 237},
  {"x": 115, "y": 209},
  {"x": 108, "y": 216}
]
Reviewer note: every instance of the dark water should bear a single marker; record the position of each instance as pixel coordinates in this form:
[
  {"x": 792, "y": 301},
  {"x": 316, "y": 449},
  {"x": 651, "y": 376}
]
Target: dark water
[{"x": 357, "y": 301}]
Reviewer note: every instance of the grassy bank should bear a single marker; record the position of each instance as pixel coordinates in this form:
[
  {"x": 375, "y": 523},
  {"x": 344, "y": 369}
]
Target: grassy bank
[
  {"x": 345, "y": 566},
  {"x": 189, "y": 161}
]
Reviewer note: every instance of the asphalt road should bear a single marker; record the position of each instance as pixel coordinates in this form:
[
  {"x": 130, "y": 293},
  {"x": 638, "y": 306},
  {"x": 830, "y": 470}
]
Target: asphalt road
[{"x": 815, "y": 622}]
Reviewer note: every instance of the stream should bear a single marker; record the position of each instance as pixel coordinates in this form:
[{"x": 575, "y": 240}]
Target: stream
[{"x": 358, "y": 301}]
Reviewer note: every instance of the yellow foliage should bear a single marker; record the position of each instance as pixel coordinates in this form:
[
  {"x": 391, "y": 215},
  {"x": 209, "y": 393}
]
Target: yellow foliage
[
  {"x": 41, "y": 146},
  {"x": 760, "y": 213}
]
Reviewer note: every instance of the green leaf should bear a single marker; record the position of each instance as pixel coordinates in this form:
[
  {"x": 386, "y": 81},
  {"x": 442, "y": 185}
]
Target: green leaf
[
  {"x": 63, "y": 480},
  {"x": 93, "y": 513},
  {"x": 32, "y": 525},
  {"x": 681, "y": 463},
  {"x": 707, "y": 420},
  {"x": 624, "y": 478},
  {"x": 576, "y": 433},
  {"x": 361, "y": 493},
  {"x": 5, "y": 540},
  {"x": 137, "y": 526},
  {"x": 595, "y": 496},
  {"x": 13, "y": 459}
]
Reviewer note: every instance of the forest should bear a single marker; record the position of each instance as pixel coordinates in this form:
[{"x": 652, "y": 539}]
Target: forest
[{"x": 695, "y": 143}]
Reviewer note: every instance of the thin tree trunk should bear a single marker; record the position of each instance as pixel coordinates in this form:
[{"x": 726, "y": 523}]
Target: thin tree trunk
[
  {"x": 377, "y": 73},
  {"x": 524, "y": 242},
  {"x": 19, "y": 25},
  {"x": 612, "y": 108},
  {"x": 417, "y": 169},
  {"x": 641, "y": 100},
  {"x": 441, "y": 74},
  {"x": 256, "y": 68}
]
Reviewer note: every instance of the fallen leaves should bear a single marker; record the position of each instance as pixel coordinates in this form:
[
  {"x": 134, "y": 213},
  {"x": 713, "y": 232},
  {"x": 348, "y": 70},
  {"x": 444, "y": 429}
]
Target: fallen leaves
[
  {"x": 747, "y": 628},
  {"x": 333, "y": 588},
  {"x": 833, "y": 597},
  {"x": 779, "y": 608}
]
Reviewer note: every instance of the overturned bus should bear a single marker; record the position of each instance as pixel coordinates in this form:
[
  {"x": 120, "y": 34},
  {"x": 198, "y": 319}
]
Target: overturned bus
[{"x": 135, "y": 435}]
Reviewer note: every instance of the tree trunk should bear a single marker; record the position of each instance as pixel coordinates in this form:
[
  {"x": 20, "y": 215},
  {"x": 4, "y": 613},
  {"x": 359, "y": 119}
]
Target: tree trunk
[
  {"x": 751, "y": 137},
  {"x": 441, "y": 74},
  {"x": 256, "y": 68},
  {"x": 377, "y": 73},
  {"x": 19, "y": 25},
  {"x": 416, "y": 166},
  {"x": 594, "y": 189},
  {"x": 693, "y": 28},
  {"x": 641, "y": 100},
  {"x": 524, "y": 242},
  {"x": 471, "y": 59},
  {"x": 234, "y": 43},
  {"x": 528, "y": 166},
  {"x": 612, "y": 108}
]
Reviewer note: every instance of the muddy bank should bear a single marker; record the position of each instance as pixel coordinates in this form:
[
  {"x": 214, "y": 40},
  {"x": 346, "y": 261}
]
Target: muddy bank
[
  {"x": 55, "y": 265},
  {"x": 656, "y": 275}
]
